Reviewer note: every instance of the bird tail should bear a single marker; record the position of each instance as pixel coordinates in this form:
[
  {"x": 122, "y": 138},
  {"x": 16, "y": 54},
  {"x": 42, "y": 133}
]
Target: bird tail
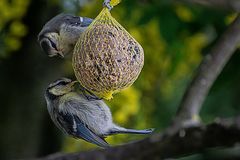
[{"x": 120, "y": 130}]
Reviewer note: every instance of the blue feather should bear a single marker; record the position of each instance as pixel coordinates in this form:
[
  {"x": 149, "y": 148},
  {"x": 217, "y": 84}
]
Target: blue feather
[{"x": 75, "y": 127}]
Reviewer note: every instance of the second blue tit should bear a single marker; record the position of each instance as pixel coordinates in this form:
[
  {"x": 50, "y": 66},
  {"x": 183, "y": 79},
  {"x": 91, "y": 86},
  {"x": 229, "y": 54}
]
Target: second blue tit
[
  {"x": 60, "y": 34},
  {"x": 81, "y": 114}
]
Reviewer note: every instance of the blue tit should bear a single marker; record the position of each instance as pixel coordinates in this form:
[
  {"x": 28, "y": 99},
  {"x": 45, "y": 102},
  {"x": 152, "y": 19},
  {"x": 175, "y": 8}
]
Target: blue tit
[
  {"x": 80, "y": 114},
  {"x": 60, "y": 34}
]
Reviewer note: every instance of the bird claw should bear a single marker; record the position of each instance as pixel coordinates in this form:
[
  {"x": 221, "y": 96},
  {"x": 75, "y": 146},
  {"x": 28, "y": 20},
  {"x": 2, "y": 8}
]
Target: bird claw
[
  {"x": 87, "y": 94},
  {"x": 106, "y": 3}
]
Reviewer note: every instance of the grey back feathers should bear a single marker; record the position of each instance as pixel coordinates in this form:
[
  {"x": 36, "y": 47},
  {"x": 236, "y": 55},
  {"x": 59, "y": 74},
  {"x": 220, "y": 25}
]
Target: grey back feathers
[{"x": 55, "y": 23}]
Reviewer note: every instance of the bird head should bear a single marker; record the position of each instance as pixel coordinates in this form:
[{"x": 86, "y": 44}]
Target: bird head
[
  {"x": 61, "y": 86},
  {"x": 60, "y": 34}
]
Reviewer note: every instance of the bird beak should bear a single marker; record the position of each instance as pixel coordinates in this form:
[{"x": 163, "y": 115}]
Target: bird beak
[
  {"x": 72, "y": 83},
  {"x": 61, "y": 54}
]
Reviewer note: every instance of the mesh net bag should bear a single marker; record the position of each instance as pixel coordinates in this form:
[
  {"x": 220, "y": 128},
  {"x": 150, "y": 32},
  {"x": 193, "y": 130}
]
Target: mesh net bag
[{"x": 107, "y": 58}]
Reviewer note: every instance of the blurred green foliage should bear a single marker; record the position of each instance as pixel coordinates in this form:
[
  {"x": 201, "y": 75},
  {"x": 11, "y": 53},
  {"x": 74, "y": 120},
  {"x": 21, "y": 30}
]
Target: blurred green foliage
[
  {"x": 174, "y": 36},
  {"x": 11, "y": 27}
]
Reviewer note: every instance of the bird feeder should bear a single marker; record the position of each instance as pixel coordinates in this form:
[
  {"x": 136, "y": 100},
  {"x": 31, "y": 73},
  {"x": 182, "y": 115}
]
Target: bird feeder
[{"x": 106, "y": 58}]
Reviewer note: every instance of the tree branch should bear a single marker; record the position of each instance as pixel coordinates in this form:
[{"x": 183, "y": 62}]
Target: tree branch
[
  {"x": 231, "y": 5},
  {"x": 211, "y": 66},
  {"x": 185, "y": 141}
]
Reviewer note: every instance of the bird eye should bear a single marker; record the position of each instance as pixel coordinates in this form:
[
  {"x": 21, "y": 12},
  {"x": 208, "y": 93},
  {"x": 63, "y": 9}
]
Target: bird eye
[
  {"x": 58, "y": 82},
  {"x": 63, "y": 83},
  {"x": 53, "y": 44}
]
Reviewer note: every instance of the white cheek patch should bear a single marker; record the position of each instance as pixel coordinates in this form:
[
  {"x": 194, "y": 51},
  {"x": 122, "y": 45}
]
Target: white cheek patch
[
  {"x": 55, "y": 91},
  {"x": 58, "y": 91}
]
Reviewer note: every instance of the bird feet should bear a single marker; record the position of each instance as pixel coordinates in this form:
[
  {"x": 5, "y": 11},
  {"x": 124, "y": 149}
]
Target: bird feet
[{"x": 106, "y": 3}]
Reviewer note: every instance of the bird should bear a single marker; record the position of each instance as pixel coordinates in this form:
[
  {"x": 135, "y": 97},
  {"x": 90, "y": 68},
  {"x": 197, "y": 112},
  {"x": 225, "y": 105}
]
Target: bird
[
  {"x": 60, "y": 34},
  {"x": 82, "y": 115}
]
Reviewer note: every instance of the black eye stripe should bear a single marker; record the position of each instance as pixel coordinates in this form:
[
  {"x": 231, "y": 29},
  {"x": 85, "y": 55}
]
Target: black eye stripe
[
  {"x": 62, "y": 83},
  {"x": 45, "y": 44},
  {"x": 58, "y": 82},
  {"x": 52, "y": 44}
]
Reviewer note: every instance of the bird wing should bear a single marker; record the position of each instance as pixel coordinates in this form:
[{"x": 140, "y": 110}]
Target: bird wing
[{"x": 75, "y": 127}]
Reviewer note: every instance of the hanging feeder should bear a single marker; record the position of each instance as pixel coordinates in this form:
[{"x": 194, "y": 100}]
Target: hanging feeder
[{"x": 106, "y": 58}]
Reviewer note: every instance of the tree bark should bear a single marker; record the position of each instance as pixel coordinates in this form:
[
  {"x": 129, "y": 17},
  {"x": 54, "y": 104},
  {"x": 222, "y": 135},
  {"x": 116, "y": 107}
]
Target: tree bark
[
  {"x": 211, "y": 66},
  {"x": 185, "y": 141}
]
